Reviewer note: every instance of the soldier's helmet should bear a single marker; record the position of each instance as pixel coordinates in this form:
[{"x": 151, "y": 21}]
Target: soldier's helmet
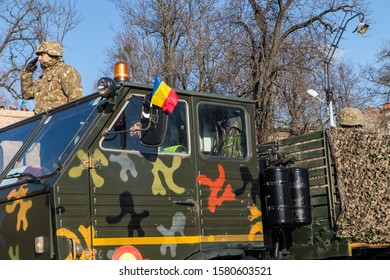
[
  {"x": 51, "y": 48},
  {"x": 350, "y": 117}
]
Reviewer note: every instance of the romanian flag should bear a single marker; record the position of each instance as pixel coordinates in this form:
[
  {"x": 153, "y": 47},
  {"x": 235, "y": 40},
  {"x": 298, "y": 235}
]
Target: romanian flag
[{"x": 163, "y": 96}]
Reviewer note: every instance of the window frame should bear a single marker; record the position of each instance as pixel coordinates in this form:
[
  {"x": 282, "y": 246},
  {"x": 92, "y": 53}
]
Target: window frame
[
  {"x": 144, "y": 149},
  {"x": 244, "y": 137}
]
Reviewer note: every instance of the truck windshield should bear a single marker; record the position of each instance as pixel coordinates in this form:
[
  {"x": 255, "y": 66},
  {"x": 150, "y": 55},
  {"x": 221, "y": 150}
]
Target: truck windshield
[
  {"x": 12, "y": 140},
  {"x": 60, "y": 131}
]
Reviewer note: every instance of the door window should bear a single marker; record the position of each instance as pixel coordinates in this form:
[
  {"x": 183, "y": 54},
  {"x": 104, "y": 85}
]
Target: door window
[
  {"x": 125, "y": 132},
  {"x": 222, "y": 130}
]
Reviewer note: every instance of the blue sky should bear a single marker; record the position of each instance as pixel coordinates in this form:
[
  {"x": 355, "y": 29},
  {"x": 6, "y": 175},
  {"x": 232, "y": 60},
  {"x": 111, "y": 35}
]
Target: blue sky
[{"x": 86, "y": 46}]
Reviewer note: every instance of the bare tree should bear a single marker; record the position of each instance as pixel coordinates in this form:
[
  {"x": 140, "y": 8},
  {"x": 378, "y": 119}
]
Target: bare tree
[
  {"x": 378, "y": 73},
  {"x": 271, "y": 29},
  {"x": 268, "y": 51},
  {"x": 347, "y": 87},
  {"x": 177, "y": 40},
  {"x": 153, "y": 38},
  {"x": 24, "y": 24},
  {"x": 295, "y": 114}
]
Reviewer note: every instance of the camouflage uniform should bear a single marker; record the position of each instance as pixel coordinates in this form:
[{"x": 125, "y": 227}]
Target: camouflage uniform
[
  {"x": 350, "y": 118},
  {"x": 59, "y": 83}
]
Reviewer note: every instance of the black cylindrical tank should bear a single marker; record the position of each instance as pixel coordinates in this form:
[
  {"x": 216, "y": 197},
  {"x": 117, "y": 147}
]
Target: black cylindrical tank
[
  {"x": 300, "y": 188},
  {"x": 278, "y": 197}
]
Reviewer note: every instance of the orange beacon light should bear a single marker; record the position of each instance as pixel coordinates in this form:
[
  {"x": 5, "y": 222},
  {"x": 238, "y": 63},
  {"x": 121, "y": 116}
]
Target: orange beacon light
[{"x": 121, "y": 72}]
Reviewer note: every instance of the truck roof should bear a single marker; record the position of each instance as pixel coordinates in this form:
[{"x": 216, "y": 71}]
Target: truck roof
[{"x": 192, "y": 93}]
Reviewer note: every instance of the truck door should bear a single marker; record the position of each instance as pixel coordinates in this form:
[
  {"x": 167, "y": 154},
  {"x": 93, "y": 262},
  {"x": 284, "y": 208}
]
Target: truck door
[
  {"x": 227, "y": 176},
  {"x": 143, "y": 197}
]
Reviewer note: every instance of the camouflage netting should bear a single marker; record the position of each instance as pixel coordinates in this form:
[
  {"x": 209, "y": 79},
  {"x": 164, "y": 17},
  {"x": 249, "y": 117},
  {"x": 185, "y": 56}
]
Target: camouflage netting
[{"x": 363, "y": 176}]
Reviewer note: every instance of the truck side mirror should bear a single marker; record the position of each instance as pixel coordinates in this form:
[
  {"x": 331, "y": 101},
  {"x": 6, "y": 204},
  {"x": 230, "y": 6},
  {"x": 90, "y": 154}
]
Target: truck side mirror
[{"x": 154, "y": 123}]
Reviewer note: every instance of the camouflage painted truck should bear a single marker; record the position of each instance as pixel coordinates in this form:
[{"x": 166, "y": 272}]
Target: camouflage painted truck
[{"x": 109, "y": 176}]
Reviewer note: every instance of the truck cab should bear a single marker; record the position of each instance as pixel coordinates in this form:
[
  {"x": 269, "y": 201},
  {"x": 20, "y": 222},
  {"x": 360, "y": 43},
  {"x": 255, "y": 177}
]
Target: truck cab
[{"x": 109, "y": 176}]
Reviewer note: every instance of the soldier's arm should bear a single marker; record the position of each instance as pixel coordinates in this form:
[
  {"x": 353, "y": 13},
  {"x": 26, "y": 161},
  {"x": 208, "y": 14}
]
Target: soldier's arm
[
  {"x": 71, "y": 84},
  {"x": 27, "y": 85}
]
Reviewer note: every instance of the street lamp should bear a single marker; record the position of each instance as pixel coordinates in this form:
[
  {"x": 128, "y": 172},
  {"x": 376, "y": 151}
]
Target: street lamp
[
  {"x": 361, "y": 29},
  {"x": 315, "y": 94}
]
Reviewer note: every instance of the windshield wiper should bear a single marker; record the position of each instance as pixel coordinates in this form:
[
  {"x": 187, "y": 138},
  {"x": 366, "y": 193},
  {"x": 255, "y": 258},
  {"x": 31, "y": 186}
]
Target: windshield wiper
[{"x": 22, "y": 175}]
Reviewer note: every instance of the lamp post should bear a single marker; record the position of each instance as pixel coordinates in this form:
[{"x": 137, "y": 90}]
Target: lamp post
[
  {"x": 361, "y": 29},
  {"x": 315, "y": 94}
]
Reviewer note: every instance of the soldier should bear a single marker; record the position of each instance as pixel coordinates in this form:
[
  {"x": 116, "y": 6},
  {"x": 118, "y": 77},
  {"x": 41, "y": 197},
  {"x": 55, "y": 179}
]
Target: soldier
[
  {"x": 59, "y": 83},
  {"x": 350, "y": 118}
]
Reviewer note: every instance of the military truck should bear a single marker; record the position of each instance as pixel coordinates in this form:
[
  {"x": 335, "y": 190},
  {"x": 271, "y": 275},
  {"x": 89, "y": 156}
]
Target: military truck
[{"x": 111, "y": 176}]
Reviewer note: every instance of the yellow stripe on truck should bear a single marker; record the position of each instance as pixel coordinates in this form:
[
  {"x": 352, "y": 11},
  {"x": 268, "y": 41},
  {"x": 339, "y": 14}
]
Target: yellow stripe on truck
[{"x": 116, "y": 241}]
